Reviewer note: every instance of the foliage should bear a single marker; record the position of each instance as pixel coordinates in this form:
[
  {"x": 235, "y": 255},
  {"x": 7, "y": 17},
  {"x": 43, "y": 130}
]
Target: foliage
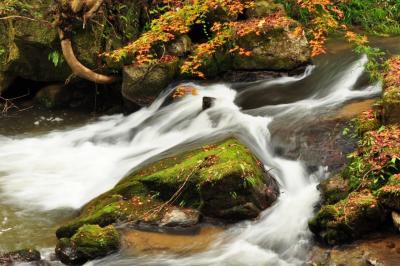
[
  {"x": 375, "y": 16},
  {"x": 325, "y": 16},
  {"x": 392, "y": 76},
  {"x": 377, "y": 158},
  {"x": 20, "y": 8},
  {"x": 150, "y": 47},
  {"x": 56, "y": 58}
]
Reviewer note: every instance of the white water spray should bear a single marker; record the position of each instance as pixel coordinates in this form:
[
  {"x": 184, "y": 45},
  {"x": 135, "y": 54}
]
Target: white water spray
[{"x": 67, "y": 169}]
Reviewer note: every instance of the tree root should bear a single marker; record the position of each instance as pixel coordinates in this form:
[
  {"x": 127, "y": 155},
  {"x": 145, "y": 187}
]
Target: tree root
[{"x": 77, "y": 67}]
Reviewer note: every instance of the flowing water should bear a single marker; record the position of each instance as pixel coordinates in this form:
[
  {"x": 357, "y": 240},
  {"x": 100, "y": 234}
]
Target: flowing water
[{"x": 45, "y": 177}]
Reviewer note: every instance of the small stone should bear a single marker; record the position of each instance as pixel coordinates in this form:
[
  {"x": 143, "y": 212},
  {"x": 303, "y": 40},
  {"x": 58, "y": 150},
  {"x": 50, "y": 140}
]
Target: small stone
[
  {"x": 180, "y": 217},
  {"x": 208, "y": 102}
]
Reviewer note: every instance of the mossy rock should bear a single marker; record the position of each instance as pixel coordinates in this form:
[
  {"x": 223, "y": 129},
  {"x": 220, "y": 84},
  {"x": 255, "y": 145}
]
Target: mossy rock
[
  {"x": 88, "y": 243},
  {"x": 143, "y": 83},
  {"x": 348, "y": 219},
  {"x": 274, "y": 50},
  {"x": 334, "y": 189},
  {"x": 222, "y": 180}
]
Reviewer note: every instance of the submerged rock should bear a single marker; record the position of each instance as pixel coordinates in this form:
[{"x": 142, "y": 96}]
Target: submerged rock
[
  {"x": 88, "y": 243},
  {"x": 19, "y": 256},
  {"x": 348, "y": 219},
  {"x": 222, "y": 180}
]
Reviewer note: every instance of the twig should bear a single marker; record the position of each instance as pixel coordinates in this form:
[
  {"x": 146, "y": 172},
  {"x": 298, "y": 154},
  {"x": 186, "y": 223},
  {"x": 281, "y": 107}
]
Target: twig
[
  {"x": 26, "y": 18},
  {"x": 176, "y": 194},
  {"x": 88, "y": 15}
]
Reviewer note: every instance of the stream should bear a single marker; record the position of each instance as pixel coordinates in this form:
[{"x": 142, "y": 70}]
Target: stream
[{"x": 46, "y": 177}]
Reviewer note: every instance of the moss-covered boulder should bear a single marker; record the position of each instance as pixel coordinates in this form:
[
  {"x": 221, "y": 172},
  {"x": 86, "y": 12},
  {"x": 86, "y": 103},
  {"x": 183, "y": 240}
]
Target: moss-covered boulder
[
  {"x": 88, "y": 243},
  {"x": 348, "y": 219},
  {"x": 222, "y": 180}
]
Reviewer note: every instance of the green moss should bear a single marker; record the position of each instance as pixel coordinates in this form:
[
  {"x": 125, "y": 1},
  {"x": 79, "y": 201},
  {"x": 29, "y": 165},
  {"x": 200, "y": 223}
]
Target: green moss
[{"x": 94, "y": 241}]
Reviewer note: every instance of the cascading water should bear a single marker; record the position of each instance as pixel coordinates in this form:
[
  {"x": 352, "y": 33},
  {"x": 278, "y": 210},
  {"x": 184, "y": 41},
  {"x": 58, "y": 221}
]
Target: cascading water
[{"x": 67, "y": 169}]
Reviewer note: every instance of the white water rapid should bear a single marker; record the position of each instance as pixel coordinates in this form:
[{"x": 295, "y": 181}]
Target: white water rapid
[{"x": 68, "y": 168}]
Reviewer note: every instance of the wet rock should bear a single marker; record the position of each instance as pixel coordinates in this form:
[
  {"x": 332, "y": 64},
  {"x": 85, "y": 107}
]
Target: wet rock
[
  {"x": 222, "y": 180},
  {"x": 396, "y": 219},
  {"x": 208, "y": 102},
  {"x": 348, "y": 219},
  {"x": 19, "y": 256},
  {"x": 180, "y": 217},
  {"x": 142, "y": 84},
  {"x": 334, "y": 189},
  {"x": 88, "y": 243}
]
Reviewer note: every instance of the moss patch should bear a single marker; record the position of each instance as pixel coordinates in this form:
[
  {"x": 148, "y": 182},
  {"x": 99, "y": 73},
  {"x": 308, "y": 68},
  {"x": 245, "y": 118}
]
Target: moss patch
[{"x": 88, "y": 243}]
